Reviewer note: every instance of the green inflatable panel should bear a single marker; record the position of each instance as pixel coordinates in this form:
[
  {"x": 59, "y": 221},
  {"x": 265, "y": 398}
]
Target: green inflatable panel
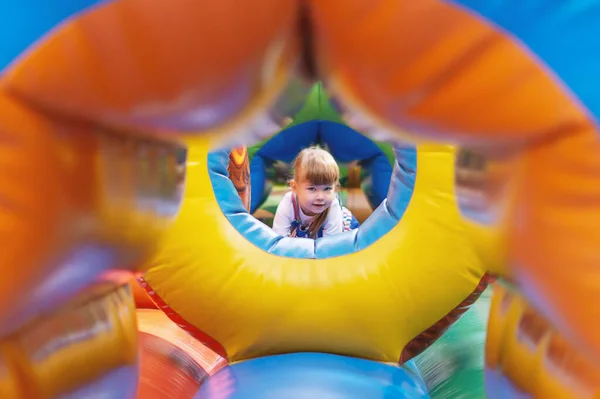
[{"x": 453, "y": 367}]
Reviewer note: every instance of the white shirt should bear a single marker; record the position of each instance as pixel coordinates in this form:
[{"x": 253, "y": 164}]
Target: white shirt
[{"x": 284, "y": 216}]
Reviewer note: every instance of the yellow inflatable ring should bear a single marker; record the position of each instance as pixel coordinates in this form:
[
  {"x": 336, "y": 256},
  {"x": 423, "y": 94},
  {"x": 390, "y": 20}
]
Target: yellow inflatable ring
[{"x": 366, "y": 293}]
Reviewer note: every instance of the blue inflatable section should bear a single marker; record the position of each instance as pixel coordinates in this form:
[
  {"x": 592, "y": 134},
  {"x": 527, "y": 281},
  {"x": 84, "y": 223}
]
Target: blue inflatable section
[
  {"x": 24, "y": 22},
  {"x": 313, "y": 376},
  {"x": 119, "y": 383},
  {"x": 383, "y": 219},
  {"x": 345, "y": 144},
  {"x": 498, "y": 386},
  {"x": 562, "y": 33}
]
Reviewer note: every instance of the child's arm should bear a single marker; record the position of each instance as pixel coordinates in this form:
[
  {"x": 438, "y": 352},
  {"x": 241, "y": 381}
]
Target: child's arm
[
  {"x": 335, "y": 220},
  {"x": 284, "y": 216}
]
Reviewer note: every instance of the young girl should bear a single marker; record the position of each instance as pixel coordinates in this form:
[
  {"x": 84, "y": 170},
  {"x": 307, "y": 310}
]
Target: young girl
[{"x": 312, "y": 208}]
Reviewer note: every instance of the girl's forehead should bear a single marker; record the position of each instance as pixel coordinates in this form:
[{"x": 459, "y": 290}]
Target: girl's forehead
[{"x": 309, "y": 183}]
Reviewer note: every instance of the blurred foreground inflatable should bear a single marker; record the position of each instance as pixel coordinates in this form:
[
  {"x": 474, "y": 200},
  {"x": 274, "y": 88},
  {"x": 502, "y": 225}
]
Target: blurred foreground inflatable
[{"x": 104, "y": 103}]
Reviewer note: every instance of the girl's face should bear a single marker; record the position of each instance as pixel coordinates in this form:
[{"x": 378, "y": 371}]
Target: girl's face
[{"x": 313, "y": 199}]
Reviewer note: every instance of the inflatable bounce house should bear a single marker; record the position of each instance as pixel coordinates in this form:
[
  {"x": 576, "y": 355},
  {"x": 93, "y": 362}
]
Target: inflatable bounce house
[{"x": 141, "y": 143}]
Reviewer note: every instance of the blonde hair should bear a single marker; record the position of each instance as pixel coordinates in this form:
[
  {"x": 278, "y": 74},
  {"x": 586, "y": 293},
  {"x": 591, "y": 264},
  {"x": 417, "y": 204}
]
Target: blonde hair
[{"x": 317, "y": 166}]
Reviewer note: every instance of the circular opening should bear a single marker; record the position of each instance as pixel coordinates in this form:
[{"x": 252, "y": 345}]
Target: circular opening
[{"x": 363, "y": 163}]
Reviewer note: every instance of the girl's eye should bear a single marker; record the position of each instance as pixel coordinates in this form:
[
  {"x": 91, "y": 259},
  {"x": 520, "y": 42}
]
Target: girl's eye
[
  {"x": 311, "y": 189},
  {"x": 328, "y": 188}
]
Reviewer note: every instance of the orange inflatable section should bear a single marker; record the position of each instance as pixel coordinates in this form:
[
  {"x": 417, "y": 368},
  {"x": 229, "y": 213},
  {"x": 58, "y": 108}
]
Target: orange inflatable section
[
  {"x": 160, "y": 64},
  {"x": 523, "y": 346},
  {"x": 173, "y": 364},
  {"x": 141, "y": 298},
  {"x": 74, "y": 347},
  {"x": 74, "y": 191},
  {"x": 30, "y": 215},
  {"x": 239, "y": 173},
  {"x": 556, "y": 235},
  {"x": 432, "y": 81}
]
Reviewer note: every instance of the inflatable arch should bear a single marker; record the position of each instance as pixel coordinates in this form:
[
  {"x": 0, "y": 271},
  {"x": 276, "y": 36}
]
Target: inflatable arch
[{"x": 80, "y": 104}]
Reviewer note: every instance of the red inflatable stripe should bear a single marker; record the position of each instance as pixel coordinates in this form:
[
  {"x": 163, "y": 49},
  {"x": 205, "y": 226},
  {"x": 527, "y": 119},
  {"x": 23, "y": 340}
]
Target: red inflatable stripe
[
  {"x": 200, "y": 335},
  {"x": 433, "y": 333}
]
